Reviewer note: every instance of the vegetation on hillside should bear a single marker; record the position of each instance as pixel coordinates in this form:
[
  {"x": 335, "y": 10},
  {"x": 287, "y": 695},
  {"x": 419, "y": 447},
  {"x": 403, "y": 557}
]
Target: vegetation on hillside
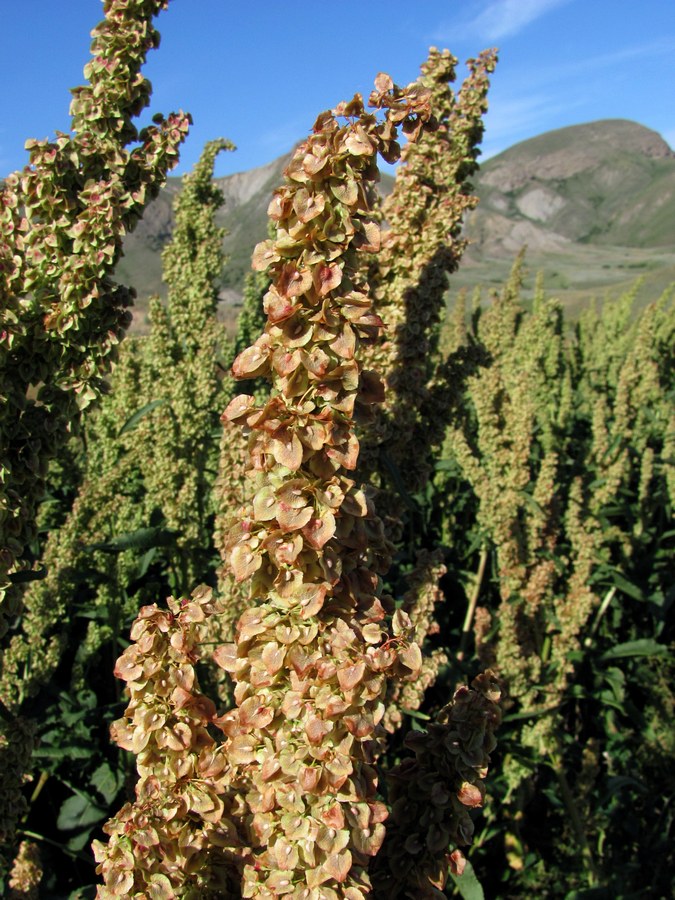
[{"x": 594, "y": 203}]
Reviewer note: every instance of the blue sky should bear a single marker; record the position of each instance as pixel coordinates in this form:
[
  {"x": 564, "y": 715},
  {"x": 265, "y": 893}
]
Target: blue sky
[{"x": 259, "y": 71}]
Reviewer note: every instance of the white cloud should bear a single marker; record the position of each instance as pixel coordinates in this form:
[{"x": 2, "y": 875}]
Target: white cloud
[
  {"x": 606, "y": 60},
  {"x": 503, "y": 18}
]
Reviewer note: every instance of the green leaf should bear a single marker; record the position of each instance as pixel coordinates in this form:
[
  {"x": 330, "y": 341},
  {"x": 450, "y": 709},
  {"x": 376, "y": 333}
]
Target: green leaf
[
  {"x": 134, "y": 419},
  {"x": 142, "y": 539},
  {"x": 627, "y": 587},
  {"x": 56, "y": 753},
  {"x": 80, "y": 840},
  {"x": 642, "y": 647},
  {"x": 78, "y": 812},
  {"x": 468, "y": 884},
  {"x": 145, "y": 562},
  {"x": 26, "y": 575},
  {"x": 105, "y": 782},
  {"x": 529, "y": 500}
]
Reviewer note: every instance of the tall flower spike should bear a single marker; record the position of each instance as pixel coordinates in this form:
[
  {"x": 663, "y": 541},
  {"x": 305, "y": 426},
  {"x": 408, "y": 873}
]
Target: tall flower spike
[
  {"x": 311, "y": 658},
  {"x": 409, "y": 276},
  {"x": 181, "y": 832},
  {"x": 166, "y": 454},
  {"x": 61, "y": 227},
  {"x": 62, "y": 221},
  {"x": 409, "y": 279},
  {"x": 180, "y": 370}
]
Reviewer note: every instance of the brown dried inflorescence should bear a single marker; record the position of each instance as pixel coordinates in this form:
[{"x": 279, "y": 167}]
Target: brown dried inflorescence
[
  {"x": 432, "y": 793},
  {"x": 182, "y": 831},
  {"x": 312, "y": 656}
]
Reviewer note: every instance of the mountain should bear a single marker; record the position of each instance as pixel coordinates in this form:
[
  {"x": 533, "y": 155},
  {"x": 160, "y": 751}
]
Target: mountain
[
  {"x": 594, "y": 203},
  {"x": 610, "y": 182},
  {"x": 244, "y": 215}
]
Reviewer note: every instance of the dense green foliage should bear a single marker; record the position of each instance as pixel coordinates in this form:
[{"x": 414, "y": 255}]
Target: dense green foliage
[{"x": 555, "y": 490}]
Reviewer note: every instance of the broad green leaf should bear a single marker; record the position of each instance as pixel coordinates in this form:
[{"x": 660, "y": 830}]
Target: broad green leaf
[
  {"x": 146, "y": 562},
  {"x": 80, "y": 840},
  {"x": 78, "y": 812},
  {"x": 468, "y": 884},
  {"x": 642, "y": 647},
  {"x": 70, "y": 753},
  {"x": 105, "y": 782},
  {"x": 627, "y": 587}
]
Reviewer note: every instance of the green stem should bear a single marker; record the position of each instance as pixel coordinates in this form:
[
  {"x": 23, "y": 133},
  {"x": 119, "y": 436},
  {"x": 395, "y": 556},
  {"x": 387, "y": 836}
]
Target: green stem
[
  {"x": 62, "y": 847},
  {"x": 575, "y": 820},
  {"x": 473, "y": 601},
  {"x": 604, "y": 606},
  {"x": 38, "y": 787}
]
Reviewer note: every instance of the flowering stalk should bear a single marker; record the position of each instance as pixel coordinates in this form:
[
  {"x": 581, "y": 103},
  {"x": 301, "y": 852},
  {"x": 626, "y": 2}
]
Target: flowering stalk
[
  {"x": 431, "y": 794},
  {"x": 409, "y": 277},
  {"x": 169, "y": 384},
  {"x": 62, "y": 222},
  {"x": 180, "y": 374},
  {"x": 422, "y": 246},
  {"x": 311, "y": 658},
  {"x": 180, "y": 836},
  {"x": 419, "y": 602}
]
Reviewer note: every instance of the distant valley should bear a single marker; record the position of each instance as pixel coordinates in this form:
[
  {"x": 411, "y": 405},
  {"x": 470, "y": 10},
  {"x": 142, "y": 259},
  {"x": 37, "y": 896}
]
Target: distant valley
[{"x": 593, "y": 203}]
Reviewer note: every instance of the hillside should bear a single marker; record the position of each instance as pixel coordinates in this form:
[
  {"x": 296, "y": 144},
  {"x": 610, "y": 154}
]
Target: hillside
[
  {"x": 594, "y": 203},
  {"x": 610, "y": 182}
]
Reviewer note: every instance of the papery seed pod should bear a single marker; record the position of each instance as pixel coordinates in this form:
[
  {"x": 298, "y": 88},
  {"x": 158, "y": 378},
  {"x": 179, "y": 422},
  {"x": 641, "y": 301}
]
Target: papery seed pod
[
  {"x": 313, "y": 652},
  {"x": 26, "y": 873},
  {"x": 183, "y": 832}
]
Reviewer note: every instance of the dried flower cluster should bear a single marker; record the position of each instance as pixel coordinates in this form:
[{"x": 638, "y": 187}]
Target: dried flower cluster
[
  {"x": 311, "y": 658},
  {"x": 419, "y": 602},
  {"x": 180, "y": 834},
  {"x": 431, "y": 794},
  {"x": 26, "y": 874}
]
